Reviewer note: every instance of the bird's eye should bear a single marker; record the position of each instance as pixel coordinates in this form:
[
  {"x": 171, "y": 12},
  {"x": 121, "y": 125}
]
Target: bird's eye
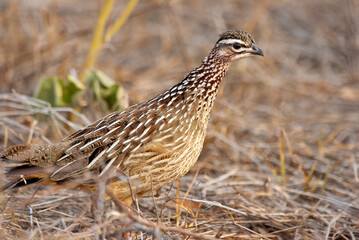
[{"x": 236, "y": 46}]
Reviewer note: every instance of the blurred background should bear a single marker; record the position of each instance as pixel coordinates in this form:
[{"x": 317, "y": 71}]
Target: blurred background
[{"x": 283, "y": 142}]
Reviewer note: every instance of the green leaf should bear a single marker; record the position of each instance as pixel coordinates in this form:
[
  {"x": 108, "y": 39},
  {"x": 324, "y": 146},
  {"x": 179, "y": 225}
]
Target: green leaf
[
  {"x": 106, "y": 91},
  {"x": 71, "y": 89},
  {"x": 59, "y": 92},
  {"x": 99, "y": 76},
  {"x": 50, "y": 90},
  {"x": 67, "y": 92}
]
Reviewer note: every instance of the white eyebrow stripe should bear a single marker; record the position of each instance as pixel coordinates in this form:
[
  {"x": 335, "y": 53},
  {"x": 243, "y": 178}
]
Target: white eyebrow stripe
[{"x": 231, "y": 41}]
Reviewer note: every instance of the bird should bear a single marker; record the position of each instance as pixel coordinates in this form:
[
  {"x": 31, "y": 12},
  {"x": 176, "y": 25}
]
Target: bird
[{"x": 148, "y": 145}]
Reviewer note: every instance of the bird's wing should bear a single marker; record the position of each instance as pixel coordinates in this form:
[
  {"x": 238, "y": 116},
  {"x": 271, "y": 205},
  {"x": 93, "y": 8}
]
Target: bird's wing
[{"x": 107, "y": 142}]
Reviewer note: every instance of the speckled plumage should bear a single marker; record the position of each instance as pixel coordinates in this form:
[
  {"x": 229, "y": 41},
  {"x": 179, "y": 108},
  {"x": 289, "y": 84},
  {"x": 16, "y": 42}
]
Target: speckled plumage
[{"x": 152, "y": 143}]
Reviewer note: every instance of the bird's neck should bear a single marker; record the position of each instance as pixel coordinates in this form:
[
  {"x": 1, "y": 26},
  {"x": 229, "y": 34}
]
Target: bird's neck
[
  {"x": 206, "y": 78},
  {"x": 198, "y": 90},
  {"x": 202, "y": 84},
  {"x": 204, "y": 81}
]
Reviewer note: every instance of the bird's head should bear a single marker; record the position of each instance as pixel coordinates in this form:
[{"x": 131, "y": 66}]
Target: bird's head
[{"x": 236, "y": 44}]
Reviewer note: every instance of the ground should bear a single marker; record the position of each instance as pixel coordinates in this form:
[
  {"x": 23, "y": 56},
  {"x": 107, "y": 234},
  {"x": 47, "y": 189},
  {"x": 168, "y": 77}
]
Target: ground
[{"x": 280, "y": 159}]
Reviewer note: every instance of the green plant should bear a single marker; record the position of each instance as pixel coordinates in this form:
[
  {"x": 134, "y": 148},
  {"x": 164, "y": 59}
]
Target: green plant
[
  {"x": 105, "y": 91},
  {"x": 58, "y": 91},
  {"x": 70, "y": 91}
]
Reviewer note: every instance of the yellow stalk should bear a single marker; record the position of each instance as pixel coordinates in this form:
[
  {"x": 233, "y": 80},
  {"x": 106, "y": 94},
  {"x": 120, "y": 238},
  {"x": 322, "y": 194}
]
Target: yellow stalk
[
  {"x": 312, "y": 169},
  {"x": 315, "y": 185},
  {"x": 97, "y": 38},
  {"x": 178, "y": 209},
  {"x": 121, "y": 20},
  {"x": 328, "y": 172},
  {"x": 282, "y": 157}
]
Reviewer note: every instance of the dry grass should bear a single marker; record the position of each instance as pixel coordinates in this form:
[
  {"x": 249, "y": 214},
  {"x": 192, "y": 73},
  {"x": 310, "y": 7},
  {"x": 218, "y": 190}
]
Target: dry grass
[{"x": 280, "y": 159}]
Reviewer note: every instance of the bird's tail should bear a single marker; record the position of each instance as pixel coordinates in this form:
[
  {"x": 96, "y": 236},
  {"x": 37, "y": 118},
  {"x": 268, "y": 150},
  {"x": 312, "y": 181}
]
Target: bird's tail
[{"x": 26, "y": 164}]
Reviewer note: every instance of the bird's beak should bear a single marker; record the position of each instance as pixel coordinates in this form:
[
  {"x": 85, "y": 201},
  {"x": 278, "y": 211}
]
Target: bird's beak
[{"x": 256, "y": 50}]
